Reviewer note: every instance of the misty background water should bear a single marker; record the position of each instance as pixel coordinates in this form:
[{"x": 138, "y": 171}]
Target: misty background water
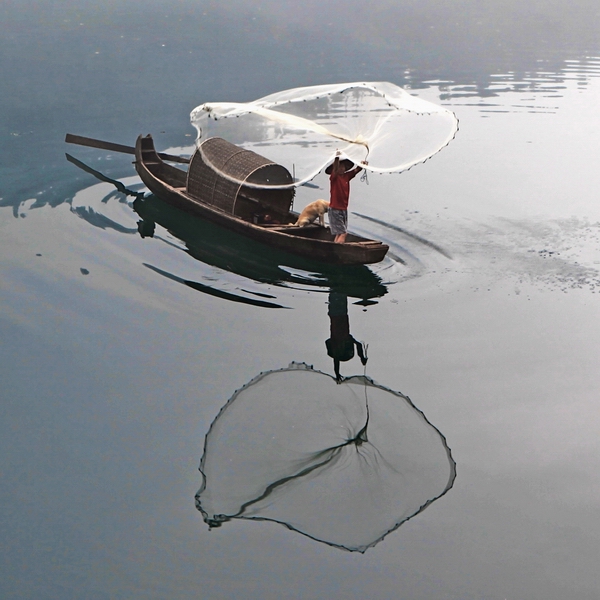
[{"x": 118, "y": 351}]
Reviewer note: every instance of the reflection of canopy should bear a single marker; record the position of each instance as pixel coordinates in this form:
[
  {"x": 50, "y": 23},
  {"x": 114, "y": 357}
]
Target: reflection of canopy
[
  {"x": 343, "y": 464},
  {"x": 302, "y": 128}
]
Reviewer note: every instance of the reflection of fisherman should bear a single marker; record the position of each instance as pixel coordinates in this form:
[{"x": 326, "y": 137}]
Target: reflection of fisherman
[
  {"x": 340, "y": 346},
  {"x": 340, "y": 174}
]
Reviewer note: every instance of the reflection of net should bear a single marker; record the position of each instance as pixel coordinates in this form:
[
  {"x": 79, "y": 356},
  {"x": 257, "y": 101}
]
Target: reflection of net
[
  {"x": 302, "y": 128},
  {"x": 294, "y": 447}
]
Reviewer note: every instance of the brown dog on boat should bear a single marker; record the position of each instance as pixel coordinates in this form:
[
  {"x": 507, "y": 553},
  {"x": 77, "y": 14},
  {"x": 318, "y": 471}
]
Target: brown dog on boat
[{"x": 315, "y": 209}]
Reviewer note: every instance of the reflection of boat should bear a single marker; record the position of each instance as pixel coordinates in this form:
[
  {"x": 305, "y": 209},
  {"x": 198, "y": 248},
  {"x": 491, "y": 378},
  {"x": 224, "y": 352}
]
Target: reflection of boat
[
  {"x": 237, "y": 197},
  {"x": 344, "y": 464},
  {"x": 238, "y": 254}
]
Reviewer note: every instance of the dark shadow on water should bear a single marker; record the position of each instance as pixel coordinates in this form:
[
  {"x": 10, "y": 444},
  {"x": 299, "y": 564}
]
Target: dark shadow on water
[
  {"x": 102, "y": 177},
  {"x": 342, "y": 462},
  {"x": 99, "y": 220},
  {"x": 207, "y": 289}
]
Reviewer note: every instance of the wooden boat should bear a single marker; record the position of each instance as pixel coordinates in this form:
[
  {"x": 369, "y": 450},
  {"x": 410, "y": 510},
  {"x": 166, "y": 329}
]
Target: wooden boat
[{"x": 227, "y": 195}]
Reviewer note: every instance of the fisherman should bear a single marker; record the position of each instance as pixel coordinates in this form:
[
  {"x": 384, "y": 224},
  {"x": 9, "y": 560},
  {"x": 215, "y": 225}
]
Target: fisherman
[{"x": 340, "y": 173}]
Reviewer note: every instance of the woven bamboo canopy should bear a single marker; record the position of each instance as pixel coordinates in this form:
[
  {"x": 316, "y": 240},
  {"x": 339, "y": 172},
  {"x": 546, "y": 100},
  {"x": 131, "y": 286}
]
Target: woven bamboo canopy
[{"x": 234, "y": 180}]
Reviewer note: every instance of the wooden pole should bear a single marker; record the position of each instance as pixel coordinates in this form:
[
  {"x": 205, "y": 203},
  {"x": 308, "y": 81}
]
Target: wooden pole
[{"x": 92, "y": 143}]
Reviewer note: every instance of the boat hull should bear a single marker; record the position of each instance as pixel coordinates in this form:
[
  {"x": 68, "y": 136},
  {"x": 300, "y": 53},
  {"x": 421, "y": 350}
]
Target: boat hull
[{"x": 313, "y": 242}]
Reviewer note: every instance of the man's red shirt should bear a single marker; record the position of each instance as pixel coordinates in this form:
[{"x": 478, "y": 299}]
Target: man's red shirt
[{"x": 340, "y": 189}]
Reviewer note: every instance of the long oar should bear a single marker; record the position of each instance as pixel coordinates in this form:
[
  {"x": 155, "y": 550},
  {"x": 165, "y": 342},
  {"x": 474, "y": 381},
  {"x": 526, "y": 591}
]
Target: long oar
[{"x": 92, "y": 143}]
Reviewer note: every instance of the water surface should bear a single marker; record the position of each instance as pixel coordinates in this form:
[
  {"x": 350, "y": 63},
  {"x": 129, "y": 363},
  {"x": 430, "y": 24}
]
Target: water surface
[{"x": 124, "y": 333}]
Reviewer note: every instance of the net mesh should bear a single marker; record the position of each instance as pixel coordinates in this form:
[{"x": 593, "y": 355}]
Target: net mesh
[
  {"x": 344, "y": 464},
  {"x": 302, "y": 128}
]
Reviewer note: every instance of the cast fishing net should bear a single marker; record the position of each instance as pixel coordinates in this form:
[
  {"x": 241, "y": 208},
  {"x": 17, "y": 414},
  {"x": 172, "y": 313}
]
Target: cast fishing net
[
  {"x": 344, "y": 464},
  {"x": 302, "y": 128}
]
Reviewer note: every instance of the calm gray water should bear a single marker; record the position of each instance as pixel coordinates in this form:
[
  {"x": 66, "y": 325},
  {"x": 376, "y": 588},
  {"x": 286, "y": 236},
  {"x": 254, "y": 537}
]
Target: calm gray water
[{"x": 118, "y": 353}]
